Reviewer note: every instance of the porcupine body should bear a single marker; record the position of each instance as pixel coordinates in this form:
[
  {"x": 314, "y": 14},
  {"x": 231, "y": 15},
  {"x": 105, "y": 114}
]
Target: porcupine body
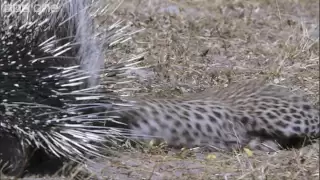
[{"x": 50, "y": 97}]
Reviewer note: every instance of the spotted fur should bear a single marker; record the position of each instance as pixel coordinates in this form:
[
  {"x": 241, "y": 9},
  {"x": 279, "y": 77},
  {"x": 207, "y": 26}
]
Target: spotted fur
[{"x": 256, "y": 114}]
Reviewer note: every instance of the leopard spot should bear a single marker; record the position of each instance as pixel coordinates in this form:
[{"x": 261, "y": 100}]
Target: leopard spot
[
  {"x": 293, "y": 110},
  {"x": 296, "y": 116},
  {"x": 168, "y": 117},
  {"x": 174, "y": 131},
  {"x": 244, "y": 120},
  {"x": 209, "y": 129},
  {"x": 185, "y": 133},
  {"x": 196, "y": 134},
  {"x": 212, "y": 119},
  {"x": 189, "y": 125},
  {"x": 297, "y": 122},
  {"x": 186, "y": 113},
  {"x": 177, "y": 124},
  {"x": 217, "y": 114},
  {"x": 306, "y": 107},
  {"x": 287, "y": 118},
  {"x": 200, "y": 109},
  {"x": 281, "y": 124},
  {"x": 198, "y": 116},
  {"x": 198, "y": 126},
  {"x": 283, "y": 110},
  {"x": 297, "y": 129},
  {"x": 270, "y": 115}
]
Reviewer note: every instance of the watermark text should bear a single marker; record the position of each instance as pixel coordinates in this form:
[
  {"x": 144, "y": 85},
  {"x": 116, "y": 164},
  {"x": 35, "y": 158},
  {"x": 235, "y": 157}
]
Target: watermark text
[{"x": 30, "y": 7}]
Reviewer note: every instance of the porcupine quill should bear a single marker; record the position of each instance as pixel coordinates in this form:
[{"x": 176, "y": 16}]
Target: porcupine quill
[{"x": 51, "y": 98}]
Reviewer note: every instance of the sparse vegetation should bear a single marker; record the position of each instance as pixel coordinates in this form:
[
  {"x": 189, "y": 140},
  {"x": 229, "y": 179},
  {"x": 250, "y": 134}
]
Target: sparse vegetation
[{"x": 194, "y": 45}]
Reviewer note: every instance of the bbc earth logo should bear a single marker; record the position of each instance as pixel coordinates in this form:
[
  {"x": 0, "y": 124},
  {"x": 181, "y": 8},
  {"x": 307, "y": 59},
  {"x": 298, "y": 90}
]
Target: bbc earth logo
[{"x": 28, "y": 7}]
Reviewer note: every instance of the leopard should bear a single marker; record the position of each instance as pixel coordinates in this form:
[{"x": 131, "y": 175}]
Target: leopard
[{"x": 254, "y": 114}]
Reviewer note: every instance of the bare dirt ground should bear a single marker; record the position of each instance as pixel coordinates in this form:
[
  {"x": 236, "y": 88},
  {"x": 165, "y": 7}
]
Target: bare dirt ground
[{"x": 193, "y": 45}]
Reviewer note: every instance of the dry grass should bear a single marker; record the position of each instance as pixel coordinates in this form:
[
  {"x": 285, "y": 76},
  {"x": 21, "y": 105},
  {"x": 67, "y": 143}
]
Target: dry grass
[{"x": 194, "y": 45}]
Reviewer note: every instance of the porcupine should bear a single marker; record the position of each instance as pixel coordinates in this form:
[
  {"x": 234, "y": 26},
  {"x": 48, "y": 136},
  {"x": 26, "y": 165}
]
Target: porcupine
[
  {"x": 103, "y": 105},
  {"x": 50, "y": 96}
]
